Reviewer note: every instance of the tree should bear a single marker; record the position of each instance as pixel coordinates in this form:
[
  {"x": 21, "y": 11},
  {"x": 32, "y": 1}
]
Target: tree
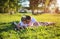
[
  {"x": 8, "y": 4},
  {"x": 48, "y": 4},
  {"x": 34, "y": 5},
  {"x": 3, "y": 4}
]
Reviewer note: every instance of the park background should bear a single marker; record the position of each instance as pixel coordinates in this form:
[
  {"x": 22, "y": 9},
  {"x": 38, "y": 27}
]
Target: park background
[{"x": 42, "y": 10}]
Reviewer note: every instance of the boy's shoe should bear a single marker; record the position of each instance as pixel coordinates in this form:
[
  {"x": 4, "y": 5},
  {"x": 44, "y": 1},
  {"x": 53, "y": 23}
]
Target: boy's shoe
[{"x": 16, "y": 28}]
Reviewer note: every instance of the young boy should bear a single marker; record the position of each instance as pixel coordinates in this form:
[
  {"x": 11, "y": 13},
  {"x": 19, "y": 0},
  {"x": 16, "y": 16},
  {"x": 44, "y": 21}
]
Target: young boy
[
  {"x": 26, "y": 21},
  {"x": 30, "y": 21}
]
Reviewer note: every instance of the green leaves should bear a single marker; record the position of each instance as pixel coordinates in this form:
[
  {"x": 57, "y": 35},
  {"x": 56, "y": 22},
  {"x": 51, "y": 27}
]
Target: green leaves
[{"x": 8, "y": 4}]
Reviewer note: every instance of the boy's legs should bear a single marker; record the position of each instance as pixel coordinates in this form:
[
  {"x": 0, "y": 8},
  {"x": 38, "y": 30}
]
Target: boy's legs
[
  {"x": 36, "y": 24},
  {"x": 46, "y": 23}
]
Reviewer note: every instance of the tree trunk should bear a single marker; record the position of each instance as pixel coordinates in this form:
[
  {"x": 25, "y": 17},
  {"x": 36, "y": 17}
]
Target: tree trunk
[
  {"x": 3, "y": 9},
  {"x": 32, "y": 11}
]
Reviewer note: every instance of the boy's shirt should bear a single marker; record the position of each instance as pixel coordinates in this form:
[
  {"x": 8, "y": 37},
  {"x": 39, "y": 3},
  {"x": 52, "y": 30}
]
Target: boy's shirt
[{"x": 30, "y": 24}]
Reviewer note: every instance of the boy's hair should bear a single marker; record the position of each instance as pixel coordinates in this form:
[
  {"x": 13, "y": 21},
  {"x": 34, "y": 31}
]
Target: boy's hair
[
  {"x": 23, "y": 18},
  {"x": 26, "y": 17}
]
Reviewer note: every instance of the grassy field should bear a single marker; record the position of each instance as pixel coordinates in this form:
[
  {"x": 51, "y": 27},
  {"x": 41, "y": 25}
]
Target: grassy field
[{"x": 42, "y": 32}]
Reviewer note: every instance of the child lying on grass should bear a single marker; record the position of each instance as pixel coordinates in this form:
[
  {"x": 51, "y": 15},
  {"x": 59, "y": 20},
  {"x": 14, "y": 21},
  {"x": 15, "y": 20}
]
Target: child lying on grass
[
  {"x": 30, "y": 21},
  {"x": 26, "y": 21}
]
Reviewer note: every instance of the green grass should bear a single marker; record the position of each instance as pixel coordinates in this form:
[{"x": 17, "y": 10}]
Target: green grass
[{"x": 42, "y": 32}]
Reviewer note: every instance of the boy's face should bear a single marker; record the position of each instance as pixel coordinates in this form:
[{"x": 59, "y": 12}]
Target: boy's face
[
  {"x": 28, "y": 21},
  {"x": 24, "y": 22}
]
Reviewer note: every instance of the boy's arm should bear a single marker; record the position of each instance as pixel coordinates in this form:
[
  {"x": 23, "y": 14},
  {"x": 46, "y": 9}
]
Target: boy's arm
[
  {"x": 18, "y": 26},
  {"x": 35, "y": 23}
]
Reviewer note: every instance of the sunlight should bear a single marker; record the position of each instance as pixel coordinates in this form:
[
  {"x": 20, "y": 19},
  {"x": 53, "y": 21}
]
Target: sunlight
[{"x": 58, "y": 2}]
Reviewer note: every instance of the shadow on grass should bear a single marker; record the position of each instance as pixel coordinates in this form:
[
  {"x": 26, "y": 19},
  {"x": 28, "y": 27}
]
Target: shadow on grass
[{"x": 7, "y": 26}]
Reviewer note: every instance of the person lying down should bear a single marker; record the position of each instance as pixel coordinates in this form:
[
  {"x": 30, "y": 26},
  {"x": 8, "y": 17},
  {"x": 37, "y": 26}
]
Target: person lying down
[{"x": 27, "y": 21}]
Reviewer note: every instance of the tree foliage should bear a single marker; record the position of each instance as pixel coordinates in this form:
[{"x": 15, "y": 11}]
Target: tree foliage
[
  {"x": 8, "y": 4},
  {"x": 34, "y": 4}
]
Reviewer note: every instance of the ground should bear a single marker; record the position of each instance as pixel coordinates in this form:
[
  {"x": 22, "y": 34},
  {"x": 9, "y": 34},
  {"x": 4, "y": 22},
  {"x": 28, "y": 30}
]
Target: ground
[{"x": 41, "y": 32}]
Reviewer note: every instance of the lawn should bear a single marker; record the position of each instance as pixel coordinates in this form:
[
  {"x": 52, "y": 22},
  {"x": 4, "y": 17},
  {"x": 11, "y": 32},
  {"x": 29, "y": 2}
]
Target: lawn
[{"x": 41, "y": 32}]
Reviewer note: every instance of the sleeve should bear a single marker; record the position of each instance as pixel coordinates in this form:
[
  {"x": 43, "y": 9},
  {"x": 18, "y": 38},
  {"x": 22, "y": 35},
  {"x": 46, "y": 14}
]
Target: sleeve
[
  {"x": 35, "y": 23},
  {"x": 33, "y": 20},
  {"x": 20, "y": 23}
]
